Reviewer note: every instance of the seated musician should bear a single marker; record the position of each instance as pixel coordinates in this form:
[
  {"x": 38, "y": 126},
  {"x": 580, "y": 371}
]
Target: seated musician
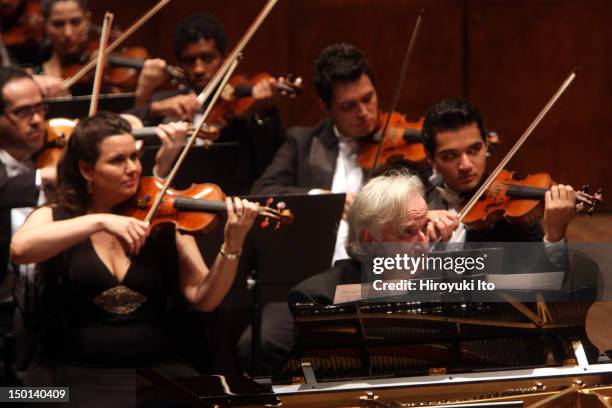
[
  {"x": 455, "y": 139},
  {"x": 71, "y": 44},
  {"x": 67, "y": 24},
  {"x": 388, "y": 209},
  {"x": 21, "y": 135},
  {"x": 324, "y": 158},
  {"x": 22, "y": 185},
  {"x": 200, "y": 45},
  {"x": 109, "y": 280},
  {"x": 319, "y": 160}
]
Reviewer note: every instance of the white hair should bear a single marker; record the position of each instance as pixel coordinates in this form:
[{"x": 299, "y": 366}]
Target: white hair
[{"x": 380, "y": 202}]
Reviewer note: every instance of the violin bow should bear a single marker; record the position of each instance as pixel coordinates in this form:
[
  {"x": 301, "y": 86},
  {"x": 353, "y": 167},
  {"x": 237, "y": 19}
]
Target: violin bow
[
  {"x": 216, "y": 85},
  {"x": 484, "y": 187},
  {"x": 205, "y": 94},
  {"x": 104, "y": 37},
  {"x": 92, "y": 63},
  {"x": 398, "y": 89}
]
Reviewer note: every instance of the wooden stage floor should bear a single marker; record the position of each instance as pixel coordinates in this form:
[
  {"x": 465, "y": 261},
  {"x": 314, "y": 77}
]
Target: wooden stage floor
[{"x": 597, "y": 228}]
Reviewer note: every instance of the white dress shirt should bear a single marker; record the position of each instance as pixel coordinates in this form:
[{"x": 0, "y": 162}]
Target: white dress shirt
[{"x": 348, "y": 178}]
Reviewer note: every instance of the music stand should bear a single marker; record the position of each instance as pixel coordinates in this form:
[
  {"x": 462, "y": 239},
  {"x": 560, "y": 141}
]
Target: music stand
[
  {"x": 78, "y": 106},
  {"x": 275, "y": 261},
  {"x": 297, "y": 251},
  {"x": 219, "y": 164}
]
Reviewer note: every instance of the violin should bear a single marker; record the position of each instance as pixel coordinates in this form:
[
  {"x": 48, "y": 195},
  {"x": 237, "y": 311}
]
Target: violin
[
  {"x": 131, "y": 63},
  {"x": 121, "y": 78},
  {"x": 401, "y": 143},
  {"x": 117, "y": 79},
  {"x": 57, "y": 133},
  {"x": 520, "y": 201},
  {"x": 236, "y": 99},
  {"x": 59, "y": 130},
  {"x": 196, "y": 208}
]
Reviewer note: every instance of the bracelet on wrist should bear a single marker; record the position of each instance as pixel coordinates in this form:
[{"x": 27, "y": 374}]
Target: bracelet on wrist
[{"x": 229, "y": 255}]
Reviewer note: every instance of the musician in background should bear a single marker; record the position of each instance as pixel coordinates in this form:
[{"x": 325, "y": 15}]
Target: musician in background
[
  {"x": 22, "y": 134},
  {"x": 323, "y": 159},
  {"x": 67, "y": 24},
  {"x": 200, "y": 45},
  {"x": 318, "y": 160},
  {"x": 455, "y": 139},
  {"x": 71, "y": 45}
]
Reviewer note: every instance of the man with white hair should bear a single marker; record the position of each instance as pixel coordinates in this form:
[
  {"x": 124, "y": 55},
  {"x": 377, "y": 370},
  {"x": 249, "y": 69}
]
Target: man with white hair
[{"x": 388, "y": 209}]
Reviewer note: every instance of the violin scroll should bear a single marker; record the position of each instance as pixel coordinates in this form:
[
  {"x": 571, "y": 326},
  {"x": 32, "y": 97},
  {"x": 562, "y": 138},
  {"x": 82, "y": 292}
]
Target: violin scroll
[
  {"x": 282, "y": 215},
  {"x": 588, "y": 202},
  {"x": 492, "y": 142}
]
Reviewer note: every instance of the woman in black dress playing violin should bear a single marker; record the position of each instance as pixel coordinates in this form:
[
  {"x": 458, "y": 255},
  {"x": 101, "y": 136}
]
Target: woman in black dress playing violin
[{"x": 108, "y": 278}]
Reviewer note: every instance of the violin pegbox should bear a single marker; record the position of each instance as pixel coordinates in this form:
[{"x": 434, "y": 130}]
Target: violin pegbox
[
  {"x": 290, "y": 87},
  {"x": 281, "y": 214},
  {"x": 588, "y": 202}
]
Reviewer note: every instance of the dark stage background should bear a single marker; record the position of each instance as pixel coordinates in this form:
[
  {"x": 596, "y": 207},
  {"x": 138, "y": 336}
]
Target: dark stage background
[{"x": 508, "y": 57}]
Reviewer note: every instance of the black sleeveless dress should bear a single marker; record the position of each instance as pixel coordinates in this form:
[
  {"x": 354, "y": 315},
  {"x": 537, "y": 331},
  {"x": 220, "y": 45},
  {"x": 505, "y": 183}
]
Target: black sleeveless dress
[{"x": 96, "y": 330}]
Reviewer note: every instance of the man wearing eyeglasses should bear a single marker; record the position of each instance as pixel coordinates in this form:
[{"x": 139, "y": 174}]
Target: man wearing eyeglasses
[{"x": 22, "y": 134}]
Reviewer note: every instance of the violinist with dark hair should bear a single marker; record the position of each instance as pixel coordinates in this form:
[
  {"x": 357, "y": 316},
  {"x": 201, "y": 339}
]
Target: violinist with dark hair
[
  {"x": 319, "y": 160},
  {"x": 72, "y": 42},
  {"x": 67, "y": 24},
  {"x": 455, "y": 139},
  {"x": 324, "y": 158},
  {"x": 200, "y": 45},
  {"x": 109, "y": 281}
]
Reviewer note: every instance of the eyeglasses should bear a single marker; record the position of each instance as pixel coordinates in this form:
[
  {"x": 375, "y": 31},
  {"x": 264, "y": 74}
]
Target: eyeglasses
[{"x": 28, "y": 111}]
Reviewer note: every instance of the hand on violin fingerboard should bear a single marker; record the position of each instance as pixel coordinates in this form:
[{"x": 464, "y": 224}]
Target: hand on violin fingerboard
[
  {"x": 240, "y": 218},
  {"x": 264, "y": 94},
  {"x": 182, "y": 107},
  {"x": 173, "y": 136},
  {"x": 151, "y": 77},
  {"x": 50, "y": 86},
  {"x": 559, "y": 211}
]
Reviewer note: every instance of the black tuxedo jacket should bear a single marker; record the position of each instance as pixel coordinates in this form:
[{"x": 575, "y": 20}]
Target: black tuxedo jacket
[
  {"x": 15, "y": 192},
  {"x": 305, "y": 161},
  {"x": 321, "y": 288}
]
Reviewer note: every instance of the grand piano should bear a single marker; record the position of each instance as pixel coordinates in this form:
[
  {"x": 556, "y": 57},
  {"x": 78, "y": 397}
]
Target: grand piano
[{"x": 415, "y": 354}]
